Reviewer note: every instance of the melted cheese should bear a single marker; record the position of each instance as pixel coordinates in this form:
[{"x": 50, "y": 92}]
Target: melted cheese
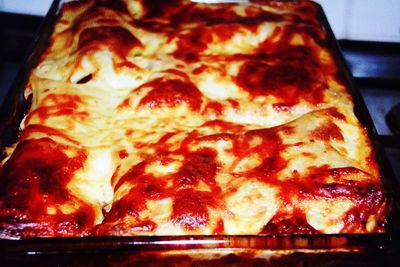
[{"x": 153, "y": 118}]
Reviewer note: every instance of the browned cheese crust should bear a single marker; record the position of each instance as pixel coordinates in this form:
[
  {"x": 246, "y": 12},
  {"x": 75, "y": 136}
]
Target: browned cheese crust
[{"x": 179, "y": 117}]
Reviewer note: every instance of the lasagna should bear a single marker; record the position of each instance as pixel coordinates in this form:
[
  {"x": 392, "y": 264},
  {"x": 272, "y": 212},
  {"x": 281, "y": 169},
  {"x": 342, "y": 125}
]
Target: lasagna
[{"x": 189, "y": 118}]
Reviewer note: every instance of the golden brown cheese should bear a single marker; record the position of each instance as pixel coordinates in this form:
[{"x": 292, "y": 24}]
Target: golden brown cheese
[
  {"x": 284, "y": 179},
  {"x": 180, "y": 117}
]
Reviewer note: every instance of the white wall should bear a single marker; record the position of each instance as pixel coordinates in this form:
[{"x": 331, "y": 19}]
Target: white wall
[
  {"x": 364, "y": 19},
  {"x": 34, "y": 7},
  {"x": 350, "y": 19}
]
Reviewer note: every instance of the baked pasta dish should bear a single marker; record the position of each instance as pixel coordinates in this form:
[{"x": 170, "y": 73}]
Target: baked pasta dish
[{"x": 189, "y": 118}]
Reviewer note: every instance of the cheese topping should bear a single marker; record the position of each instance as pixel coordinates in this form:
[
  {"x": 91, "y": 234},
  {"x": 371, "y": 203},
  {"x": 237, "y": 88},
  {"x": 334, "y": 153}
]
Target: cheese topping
[{"x": 181, "y": 117}]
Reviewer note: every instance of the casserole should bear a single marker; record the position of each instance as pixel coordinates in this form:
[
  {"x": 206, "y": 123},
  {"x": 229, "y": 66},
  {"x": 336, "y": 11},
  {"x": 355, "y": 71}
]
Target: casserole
[{"x": 214, "y": 112}]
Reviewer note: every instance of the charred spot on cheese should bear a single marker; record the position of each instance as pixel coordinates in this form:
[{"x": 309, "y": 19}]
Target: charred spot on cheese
[
  {"x": 288, "y": 83},
  {"x": 197, "y": 166},
  {"x": 190, "y": 209},
  {"x": 280, "y": 225},
  {"x": 171, "y": 93},
  {"x": 158, "y": 8}
]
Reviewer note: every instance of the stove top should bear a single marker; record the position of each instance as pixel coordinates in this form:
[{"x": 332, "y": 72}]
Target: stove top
[{"x": 375, "y": 67}]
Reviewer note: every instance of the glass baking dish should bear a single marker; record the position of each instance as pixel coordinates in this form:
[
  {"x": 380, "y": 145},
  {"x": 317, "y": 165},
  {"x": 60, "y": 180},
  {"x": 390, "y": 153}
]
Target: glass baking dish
[{"x": 321, "y": 249}]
